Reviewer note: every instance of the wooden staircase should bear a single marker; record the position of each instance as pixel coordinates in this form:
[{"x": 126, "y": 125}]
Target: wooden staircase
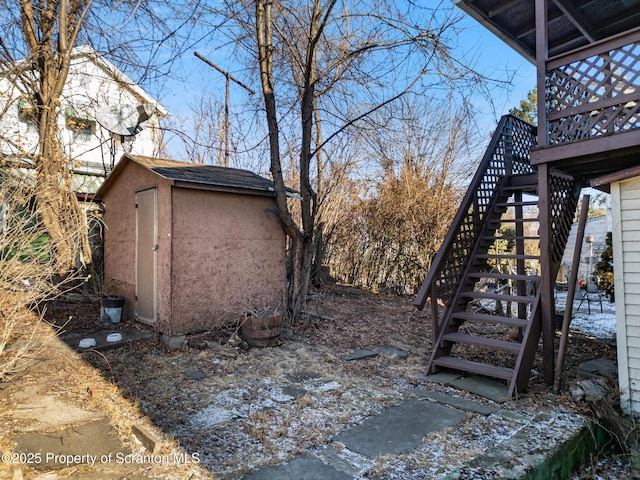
[
  {"x": 474, "y": 323},
  {"x": 493, "y": 312}
]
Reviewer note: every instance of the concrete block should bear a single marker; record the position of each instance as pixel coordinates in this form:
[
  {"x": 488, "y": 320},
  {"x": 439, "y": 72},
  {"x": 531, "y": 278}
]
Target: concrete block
[
  {"x": 174, "y": 342},
  {"x": 146, "y": 438}
]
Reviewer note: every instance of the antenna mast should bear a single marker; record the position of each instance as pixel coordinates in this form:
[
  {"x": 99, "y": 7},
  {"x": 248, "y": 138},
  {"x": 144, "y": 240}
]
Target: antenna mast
[{"x": 228, "y": 77}]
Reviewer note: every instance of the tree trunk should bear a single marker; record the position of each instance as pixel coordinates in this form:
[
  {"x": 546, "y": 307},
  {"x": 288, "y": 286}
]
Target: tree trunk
[
  {"x": 300, "y": 260},
  {"x": 56, "y": 201},
  {"x": 50, "y": 31},
  {"x": 319, "y": 248},
  {"x": 296, "y": 283}
]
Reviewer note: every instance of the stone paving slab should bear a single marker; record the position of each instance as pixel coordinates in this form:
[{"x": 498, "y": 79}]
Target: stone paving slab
[
  {"x": 360, "y": 355},
  {"x": 303, "y": 467},
  {"x": 485, "y": 387},
  {"x": 128, "y": 337},
  {"x": 456, "y": 402},
  {"x": 392, "y": 352},
  {"x": 399, "y": 428},
  {"x": 598, "y": 367},
  {"x": 48, "y": 412},
  {"x": 74, "y": 445},
  {"x": 441, "y": 378}
]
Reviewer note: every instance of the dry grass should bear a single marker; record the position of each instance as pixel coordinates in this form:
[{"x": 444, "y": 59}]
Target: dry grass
[
  {"x": 28, "y": 273},
  {"x": 243, "y": 408},
  {"x": 60, "y": 373},
  {"x": 251, "y": 382}
]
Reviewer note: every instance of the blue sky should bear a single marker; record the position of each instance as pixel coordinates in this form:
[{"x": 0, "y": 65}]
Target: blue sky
[
  {"x": 493, "y": 56},
  {"x": 496, "y": 56}
]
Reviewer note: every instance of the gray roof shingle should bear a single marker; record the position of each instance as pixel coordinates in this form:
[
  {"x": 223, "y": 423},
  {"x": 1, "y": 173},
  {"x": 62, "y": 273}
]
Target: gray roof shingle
[{"x": 197, "y": 174}]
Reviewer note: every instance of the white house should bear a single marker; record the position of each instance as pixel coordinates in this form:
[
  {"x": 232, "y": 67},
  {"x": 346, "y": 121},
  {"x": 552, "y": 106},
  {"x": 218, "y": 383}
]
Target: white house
[
  {"x": 625, "y": 213},
  {"x": 593, "y": 244},
  {"x": 96, "y": 94}
]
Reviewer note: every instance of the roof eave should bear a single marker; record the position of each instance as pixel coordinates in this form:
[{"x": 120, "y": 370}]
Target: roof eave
[{"x": 470, "y": 10}]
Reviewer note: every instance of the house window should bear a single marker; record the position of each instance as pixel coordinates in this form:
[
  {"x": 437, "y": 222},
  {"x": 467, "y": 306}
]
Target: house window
[
  {"x": 26, "y": 111},
  {"x": 78, "y": 123}
]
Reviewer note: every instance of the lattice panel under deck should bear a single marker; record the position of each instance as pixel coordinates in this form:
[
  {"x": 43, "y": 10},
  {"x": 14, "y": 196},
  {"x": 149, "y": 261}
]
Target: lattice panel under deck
[
  {"x": 600, "y": 95},
  {"x": 563, "y": 205}
]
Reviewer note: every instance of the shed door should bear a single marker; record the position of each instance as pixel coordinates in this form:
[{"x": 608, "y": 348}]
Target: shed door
[{"x": 146, "y": 254}]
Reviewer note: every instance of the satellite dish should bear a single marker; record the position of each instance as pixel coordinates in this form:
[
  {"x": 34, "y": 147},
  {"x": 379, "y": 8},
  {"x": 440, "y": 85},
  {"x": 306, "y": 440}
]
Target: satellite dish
[{"x": 124, "y": 120}]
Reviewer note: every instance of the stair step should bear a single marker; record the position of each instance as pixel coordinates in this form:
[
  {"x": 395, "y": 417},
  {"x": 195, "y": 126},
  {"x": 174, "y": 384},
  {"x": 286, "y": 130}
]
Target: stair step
[
  {"x": 492, "y": 343},
  {"x": 524, "y": 179},
  {"x": 487, "y": 318},
  {"x": 508, "y": 256},
  {"x": 533, "y": 203},
  {"x": 504, "y": 276},
  {"x": 498, "y": 296},
  {"x": 515, "y": 220},
  {"x": 474, "y": 367},
  {"x": 514, "y": 237},
  {"x": 520, "y": 188}
]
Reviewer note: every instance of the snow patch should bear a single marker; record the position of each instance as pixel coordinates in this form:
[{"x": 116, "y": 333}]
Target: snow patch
[
  {"x": 598, "y": 324},
  {"x": 325, "y": 387}
]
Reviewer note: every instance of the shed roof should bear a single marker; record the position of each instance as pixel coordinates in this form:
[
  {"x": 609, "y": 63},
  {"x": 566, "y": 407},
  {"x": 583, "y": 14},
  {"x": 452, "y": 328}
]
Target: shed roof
[
  {"x": 571, "y": 23},
  {"x": 192, "y": 175}
]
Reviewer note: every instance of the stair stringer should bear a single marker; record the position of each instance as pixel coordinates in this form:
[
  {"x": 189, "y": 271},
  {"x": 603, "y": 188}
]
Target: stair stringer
[
  {"x": 472, "y": 266},
  {"x": 530, "y": 339}
]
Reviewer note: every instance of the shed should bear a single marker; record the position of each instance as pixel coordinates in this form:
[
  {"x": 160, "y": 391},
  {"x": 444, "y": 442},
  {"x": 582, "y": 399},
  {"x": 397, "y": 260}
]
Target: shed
[
  {"x": 624, "y": 187},
  {"x": 191, "y": 246}
]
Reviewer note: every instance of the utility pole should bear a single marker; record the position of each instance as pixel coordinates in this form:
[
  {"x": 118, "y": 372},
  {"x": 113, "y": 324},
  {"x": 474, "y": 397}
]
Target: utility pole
[{"x": 228, "y": 77}]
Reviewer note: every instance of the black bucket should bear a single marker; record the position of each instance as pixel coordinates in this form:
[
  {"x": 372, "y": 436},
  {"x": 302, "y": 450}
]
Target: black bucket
[{"x": 111, "y": 309}]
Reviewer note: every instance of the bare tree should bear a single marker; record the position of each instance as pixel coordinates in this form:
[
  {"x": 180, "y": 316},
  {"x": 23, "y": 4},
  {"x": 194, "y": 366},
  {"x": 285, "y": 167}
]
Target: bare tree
[
  {"x": 199, "y": 134},
  {"x": 50, "y": 30},
  {"x": 26, "y": 271},
  {"x": 35, "y": 58},
  {"x": 336, "y": 63}
]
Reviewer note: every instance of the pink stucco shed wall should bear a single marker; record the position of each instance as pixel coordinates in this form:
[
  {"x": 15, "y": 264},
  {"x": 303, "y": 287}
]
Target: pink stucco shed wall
[
  {"x": 228, "y": 256},
  {"x": 218, "y": 254}
]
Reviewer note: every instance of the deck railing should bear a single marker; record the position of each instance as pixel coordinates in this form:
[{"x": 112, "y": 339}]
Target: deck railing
[
  {"x": 594, "y": 90},
  {"x": 507, "y": 154}
]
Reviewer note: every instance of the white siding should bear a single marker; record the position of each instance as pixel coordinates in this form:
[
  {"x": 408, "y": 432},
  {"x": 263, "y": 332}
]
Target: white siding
[
  {"x": 633, "y": 329},
  {"x": 625, "y": 202},
  {"x": 631, "y": 235},
  {"x": 634, "y": 279},
  {"x": 92, "y": 84}
]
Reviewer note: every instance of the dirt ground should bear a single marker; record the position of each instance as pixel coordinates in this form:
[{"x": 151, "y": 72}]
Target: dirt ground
[{"x": 189, "y": 393}]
